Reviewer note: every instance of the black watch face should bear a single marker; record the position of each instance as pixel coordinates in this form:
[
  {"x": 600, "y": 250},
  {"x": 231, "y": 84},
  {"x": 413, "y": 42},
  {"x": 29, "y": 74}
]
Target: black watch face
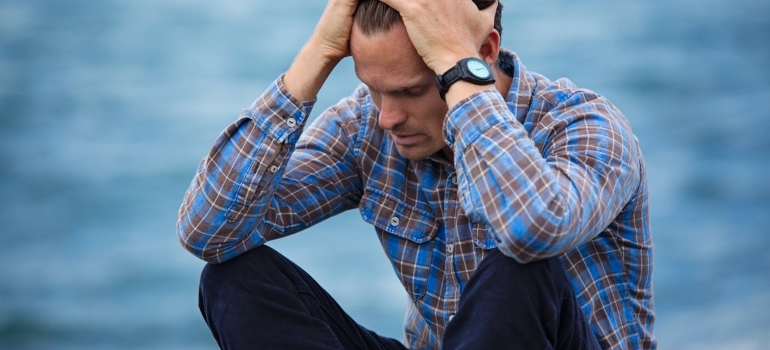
[{"x": 479, "y": 69}]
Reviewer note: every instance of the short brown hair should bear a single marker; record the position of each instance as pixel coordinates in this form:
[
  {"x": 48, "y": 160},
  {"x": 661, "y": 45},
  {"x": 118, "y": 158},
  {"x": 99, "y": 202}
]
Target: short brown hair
[{"x": 374, "y": 16}]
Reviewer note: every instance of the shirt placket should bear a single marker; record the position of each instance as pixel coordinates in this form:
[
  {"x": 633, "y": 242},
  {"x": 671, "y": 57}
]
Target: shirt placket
[{"x": 451, "y": 205}]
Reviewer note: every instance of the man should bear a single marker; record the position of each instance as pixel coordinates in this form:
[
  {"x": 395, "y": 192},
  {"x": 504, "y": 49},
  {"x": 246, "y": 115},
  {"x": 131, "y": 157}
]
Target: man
[{"x": 513, "y": 208}]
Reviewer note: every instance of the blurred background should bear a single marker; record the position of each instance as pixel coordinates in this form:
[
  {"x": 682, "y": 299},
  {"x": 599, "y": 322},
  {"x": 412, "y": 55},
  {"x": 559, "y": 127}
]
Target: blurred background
[{"x": 106, "y": 108}]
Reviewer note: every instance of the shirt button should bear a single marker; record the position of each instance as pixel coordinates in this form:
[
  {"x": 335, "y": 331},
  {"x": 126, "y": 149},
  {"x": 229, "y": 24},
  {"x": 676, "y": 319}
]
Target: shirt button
[
  {"x": 450, "y": 248},
  {"x": 291, "y": 122},
  {"x": 273, "y": 168},
  {"x": 454, "y": 180},
  {"x": 394, "y": 221}
]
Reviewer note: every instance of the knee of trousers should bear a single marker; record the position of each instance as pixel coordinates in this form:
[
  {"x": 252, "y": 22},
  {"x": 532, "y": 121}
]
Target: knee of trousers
[
  {"x": 253, "y": 267},
  {"x": 512, "y": 275}
]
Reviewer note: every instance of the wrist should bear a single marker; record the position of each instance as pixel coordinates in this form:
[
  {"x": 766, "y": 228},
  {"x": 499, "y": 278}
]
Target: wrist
[
  {"x": 468, "y": 70},
  {"x": 324, "y": 52},
  {"x": 308, "y": 72},
  {"x": 446, "y": 62}
]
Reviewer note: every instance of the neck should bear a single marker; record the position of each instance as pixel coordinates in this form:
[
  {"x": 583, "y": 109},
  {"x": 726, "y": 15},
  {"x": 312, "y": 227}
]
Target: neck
[{"x": 502, "y": 81}]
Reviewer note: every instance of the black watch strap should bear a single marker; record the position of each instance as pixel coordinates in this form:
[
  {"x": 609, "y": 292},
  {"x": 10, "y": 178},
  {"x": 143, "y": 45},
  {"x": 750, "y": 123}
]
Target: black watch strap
[{"x": 470, "y": 69}]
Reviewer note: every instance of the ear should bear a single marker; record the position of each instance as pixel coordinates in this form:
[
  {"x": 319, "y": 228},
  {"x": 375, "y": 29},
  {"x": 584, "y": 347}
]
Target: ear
[{"x": 490, "y": 48}]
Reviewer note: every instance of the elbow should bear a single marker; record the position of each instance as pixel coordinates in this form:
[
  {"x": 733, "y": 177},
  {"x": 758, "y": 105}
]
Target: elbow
[
  {"x": 203, "y": 253},
  {"x": 525, "y": 252},
  {"x": 191, "y": 240},
  {"x": 190, "y": 247},
  {"x": 544, "y": 236},
  {"x": 208, "y": 244}
]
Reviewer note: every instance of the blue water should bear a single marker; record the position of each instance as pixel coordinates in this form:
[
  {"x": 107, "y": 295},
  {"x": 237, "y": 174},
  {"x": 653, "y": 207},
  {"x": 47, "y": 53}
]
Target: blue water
[{"x": 107, "y": 106}]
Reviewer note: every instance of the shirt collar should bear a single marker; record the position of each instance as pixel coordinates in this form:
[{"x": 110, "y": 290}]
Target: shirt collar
[{"x": 522, "y": 87}]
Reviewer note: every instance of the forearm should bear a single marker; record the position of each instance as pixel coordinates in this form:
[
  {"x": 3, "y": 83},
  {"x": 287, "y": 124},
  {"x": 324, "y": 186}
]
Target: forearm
[
  {"x": 223, "y": 212},
  {"x": 308, "y": 72},
  {"x": 328, "y": 45},
  {"x": 226, "y": 209},
  {"x": 544, "y": 198}
]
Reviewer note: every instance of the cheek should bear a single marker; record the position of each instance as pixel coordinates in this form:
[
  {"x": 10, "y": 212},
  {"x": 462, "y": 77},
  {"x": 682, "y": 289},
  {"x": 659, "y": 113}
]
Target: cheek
[{"x": 433, "y": 110}]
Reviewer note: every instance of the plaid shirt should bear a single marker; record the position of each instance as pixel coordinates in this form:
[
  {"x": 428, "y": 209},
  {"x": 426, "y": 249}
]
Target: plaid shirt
[{"x": 554, "y": 171}]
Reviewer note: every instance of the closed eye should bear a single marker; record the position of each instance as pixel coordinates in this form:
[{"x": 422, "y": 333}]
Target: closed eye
[{"x": 413, "y": 91}]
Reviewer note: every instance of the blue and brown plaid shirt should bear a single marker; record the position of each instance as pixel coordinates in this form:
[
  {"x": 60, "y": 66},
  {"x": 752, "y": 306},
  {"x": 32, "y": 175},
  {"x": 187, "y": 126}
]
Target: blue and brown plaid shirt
[{"x": 551, "y": 170}]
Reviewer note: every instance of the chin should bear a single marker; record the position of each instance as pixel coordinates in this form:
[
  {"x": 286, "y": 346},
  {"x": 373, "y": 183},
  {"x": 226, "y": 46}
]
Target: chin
[
  {"x": 414, "y": 154},
  {"x": 415, "y": 158}
]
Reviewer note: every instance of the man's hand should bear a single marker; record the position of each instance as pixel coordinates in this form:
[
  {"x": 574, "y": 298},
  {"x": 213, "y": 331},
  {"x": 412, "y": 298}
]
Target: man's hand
[
  {"x": 332, "y": 33},
  {"x": 445, "y": 31},
  {"x": 328, "y": 45}
]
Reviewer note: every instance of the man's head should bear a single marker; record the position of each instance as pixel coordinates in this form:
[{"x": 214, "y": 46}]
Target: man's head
[{"x": 402, "y": 86}]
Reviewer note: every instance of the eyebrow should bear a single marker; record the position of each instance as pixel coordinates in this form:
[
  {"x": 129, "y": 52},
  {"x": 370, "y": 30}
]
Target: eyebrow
[{"x": 417, "y": 83}]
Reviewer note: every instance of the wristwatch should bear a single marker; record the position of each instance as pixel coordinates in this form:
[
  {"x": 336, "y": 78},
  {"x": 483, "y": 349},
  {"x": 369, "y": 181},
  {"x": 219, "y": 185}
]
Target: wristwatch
[{"x": 472, "y": 70}]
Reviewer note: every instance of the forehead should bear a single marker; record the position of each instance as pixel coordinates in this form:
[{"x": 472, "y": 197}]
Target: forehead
[{"x": 388, "y": 61}]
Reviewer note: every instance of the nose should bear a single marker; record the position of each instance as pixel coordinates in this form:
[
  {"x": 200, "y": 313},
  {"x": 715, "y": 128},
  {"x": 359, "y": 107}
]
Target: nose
[{"x": 391, "y": 113}]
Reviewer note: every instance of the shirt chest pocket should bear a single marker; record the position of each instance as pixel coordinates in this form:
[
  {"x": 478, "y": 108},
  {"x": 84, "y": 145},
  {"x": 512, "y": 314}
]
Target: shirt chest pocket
[{"x": 406, "y": 234}]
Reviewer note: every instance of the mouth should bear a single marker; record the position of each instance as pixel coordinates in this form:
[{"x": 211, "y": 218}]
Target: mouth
[{"x": 406, "y": 140}]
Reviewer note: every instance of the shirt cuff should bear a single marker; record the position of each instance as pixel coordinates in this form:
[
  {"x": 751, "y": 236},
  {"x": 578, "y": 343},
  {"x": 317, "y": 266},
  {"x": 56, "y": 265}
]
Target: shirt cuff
[
  {"x": 472, "y": 116},
  {"x": 279, "y": 113}
]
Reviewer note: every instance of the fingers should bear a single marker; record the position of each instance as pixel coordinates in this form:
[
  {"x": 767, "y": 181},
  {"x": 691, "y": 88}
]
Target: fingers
[
  {"x": 442, "y": 30},
  {"x": 397, "y": 5},
  {"x": 333, "y": 29}
]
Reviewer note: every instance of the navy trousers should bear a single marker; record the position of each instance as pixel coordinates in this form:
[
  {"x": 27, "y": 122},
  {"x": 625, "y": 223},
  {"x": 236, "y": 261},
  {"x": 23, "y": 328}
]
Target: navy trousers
[{"x": 262, "y": 300}]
